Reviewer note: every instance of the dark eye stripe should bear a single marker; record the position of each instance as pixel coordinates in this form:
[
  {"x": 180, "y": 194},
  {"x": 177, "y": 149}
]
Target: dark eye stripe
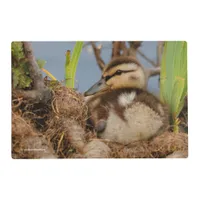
[
  {"x": 107, "y": 78},
  {"x": 128, "y": 71},
  {"x": 118, "y": 72}
]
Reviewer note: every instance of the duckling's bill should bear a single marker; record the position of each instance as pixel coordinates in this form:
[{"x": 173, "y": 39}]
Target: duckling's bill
[{"x": 100, "y": 86}]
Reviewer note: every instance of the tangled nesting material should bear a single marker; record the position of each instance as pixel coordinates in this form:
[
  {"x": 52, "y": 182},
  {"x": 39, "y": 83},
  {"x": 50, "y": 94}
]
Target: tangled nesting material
[
  {"x": 66, "y": 135},
  {"x": 159, "y": 147},
  {"x": 27, "y": 142},
  {"x": 69, "y": 104},
  {"x": 166, "y": 145},
  {"x": 68, "y": 109}
]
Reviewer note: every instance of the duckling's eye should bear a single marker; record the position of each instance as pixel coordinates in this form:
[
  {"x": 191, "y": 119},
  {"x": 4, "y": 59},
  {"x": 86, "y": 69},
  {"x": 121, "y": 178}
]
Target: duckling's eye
[
  {"x": 107, "y": 78},
  {"x": 118, "y": 72}
]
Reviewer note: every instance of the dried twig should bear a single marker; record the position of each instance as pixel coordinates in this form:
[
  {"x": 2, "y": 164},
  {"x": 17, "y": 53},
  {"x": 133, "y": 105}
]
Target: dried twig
[
  {"x": 86, "y": 44},
  {"x": 97, "y": 52},
  {"x": 146, "y": 58},
  {"x": 132, "y": 51},
  {"x": 116, "y": 49},
  {"x": 152, "y": 71},
  {"x": 159, "y": 52},
  {"x": 135, "y": 44},
  {"x": 124, "y": 48}
]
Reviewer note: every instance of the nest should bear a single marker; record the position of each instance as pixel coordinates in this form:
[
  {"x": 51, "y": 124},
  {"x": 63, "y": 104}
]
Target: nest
[
  {"x": 27, "y": 142},
  {"x": 158, "y": 147},
  {"x": 68, "y": 109},
  {"x": 57, "y": 129}
]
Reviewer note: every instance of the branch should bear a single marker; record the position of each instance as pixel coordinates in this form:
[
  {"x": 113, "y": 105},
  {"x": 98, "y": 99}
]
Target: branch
[
  {"x": 132, "y": 51},
  {"x": 135, "y": 44},
  {"x": 116, "y": 49},
  {"x": 40, "y": 92},
  {"x": 97, "y": 52},
  {"x": 134, "y": 48},
  {"x": 152, "y": 71},
  {"x": 35, "y": 72},
  {"x": 42, "y": 95},
  {"x": 146, "y": 58},
  {"x": 159, "y": 52},
  {"x": 124, "y": 48},
  {"x": 86, "y": 44}
]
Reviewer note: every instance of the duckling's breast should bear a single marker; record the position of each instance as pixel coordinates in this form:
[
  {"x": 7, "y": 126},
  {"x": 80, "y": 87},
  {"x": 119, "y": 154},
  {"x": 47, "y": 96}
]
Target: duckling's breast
[{"x": 141, "y": 122}]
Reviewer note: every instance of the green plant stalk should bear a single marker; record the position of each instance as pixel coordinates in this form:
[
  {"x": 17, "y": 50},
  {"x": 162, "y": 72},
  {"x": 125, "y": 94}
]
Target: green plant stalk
[
  {"x": 173, "y": 84},
  {"x": 67, "y": 69},
  {"x": 71, "y": 64}
]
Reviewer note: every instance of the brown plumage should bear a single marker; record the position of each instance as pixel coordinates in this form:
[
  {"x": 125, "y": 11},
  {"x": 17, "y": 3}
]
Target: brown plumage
[
  {"x": 120, "y": 109},
  {"x": 121, "y": 60}
]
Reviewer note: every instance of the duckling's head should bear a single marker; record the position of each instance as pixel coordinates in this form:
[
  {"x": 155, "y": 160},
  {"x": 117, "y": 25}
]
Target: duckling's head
[{"x": 121, "y": 72}]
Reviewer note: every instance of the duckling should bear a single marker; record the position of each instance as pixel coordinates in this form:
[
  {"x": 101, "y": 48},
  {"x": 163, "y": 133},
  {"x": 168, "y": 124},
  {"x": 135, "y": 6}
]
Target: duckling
[{"x": 121, "y": 110}]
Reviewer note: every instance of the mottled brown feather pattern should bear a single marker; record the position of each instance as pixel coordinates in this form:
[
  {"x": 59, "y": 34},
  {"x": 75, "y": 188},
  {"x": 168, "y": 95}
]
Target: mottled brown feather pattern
[
  {"x": 155, "y": 104},
  {"x": 121, "y": 60},
  {"x": 152, "y": 101},
  {"x": 109, "y": 101}
]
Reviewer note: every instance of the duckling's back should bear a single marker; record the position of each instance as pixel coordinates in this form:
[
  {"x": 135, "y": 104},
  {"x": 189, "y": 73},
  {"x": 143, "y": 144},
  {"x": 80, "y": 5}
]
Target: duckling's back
[{"x": 129, "y": 115}]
